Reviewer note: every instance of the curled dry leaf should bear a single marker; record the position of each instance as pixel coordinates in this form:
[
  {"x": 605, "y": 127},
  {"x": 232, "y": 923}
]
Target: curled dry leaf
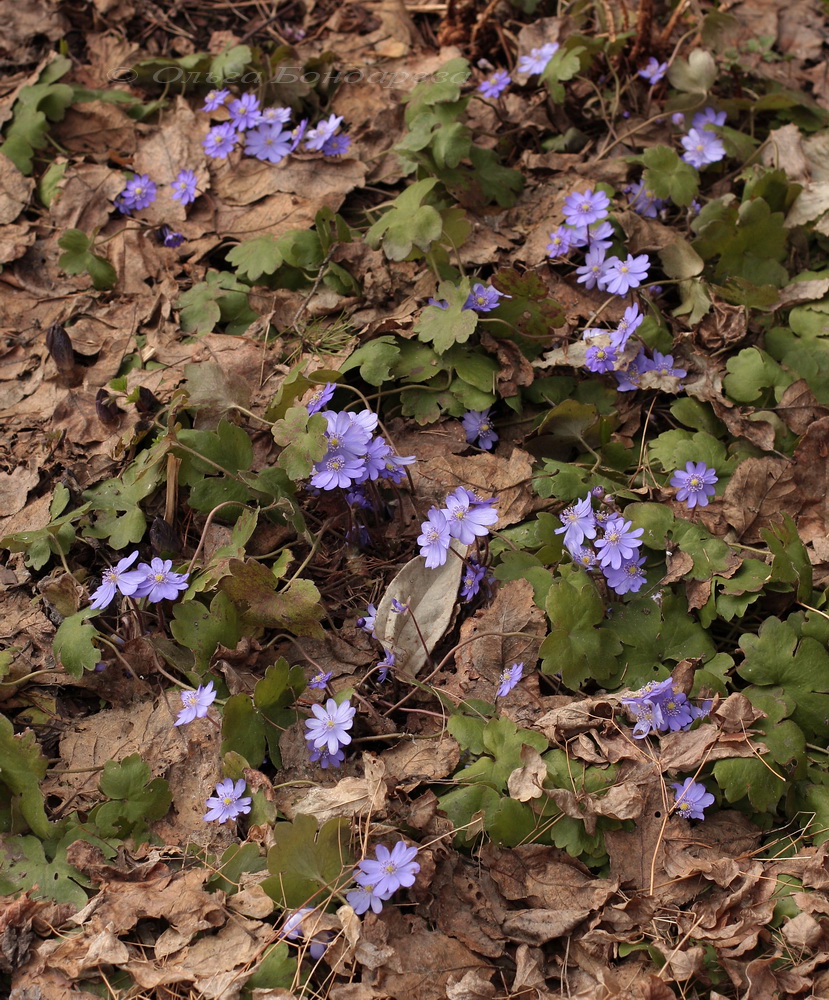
[{"x": 430, "y": 595}]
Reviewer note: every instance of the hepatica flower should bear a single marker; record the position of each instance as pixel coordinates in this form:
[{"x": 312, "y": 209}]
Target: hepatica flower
[
  {"x": 330, "y": 725},
  {"x": 118, "y": 579},
  {"x": 319, "y": 680},
  {"x": 336, "y": 145},
  {"x": 316, "y": 138},
  {"x": 591, "y": 271},
  {"x": 467, "y": 520},
  {"x": 434, "y": 538},
  {"x": 494, "y": 85},
  {"x": 244, "y": 112},
  {"x": 478, "y": 427},
  {"x": 600, "y": 359},
  {"x": 581, "y": 209},
  {"x": 389, "y": 870},
  {"x": 215, "y": 99},
  {"x": 364, "y": 898},
  {"x": 653, "y": 71},
  {"x": 577, "y": 523},
  {"x": 184, "y": 187},
  {"x": 366, "y": 623},
  {"x": 324, "y": 758},
  {"x": 483, "y": 298},
  {"x": 508, "y": 678},
  {"x": 268, "y": 143},
  {"x": 385, "y": 665},
  {"x": 160, "y": 583},
  {"x": 169, "y": 238},
  {"x": 473, "y": 573},
  {"x": 695, "y": 484},
  {"x": 619, "y": 542},
  {"x": 708, "y": 116},
  {"x": 229, "y": 801},
  {"x": 559, "y": 245},
  {"x": 273, "y": 116},
  {"x": 692, "y": 798},
  {"x": 628, "y": 578},
  {"x": 196, "y": 704},
  {"x": 138, "y": 193},
  {"x": 319, "y": 397},
  {"x": 219, "y": 141},
  {"x": 619, "y": 276},
  {"x": 536, "y": 61},
  {"x": 701, "y": 148}
]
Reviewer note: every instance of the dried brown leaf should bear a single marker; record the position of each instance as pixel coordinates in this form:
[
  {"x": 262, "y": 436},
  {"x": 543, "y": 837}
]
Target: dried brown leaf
[{"x": 759, "y": 491}]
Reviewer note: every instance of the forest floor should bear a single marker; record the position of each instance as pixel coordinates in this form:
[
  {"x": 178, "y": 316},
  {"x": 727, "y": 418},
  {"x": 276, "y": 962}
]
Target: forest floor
[{"x": 415, "y": 424}]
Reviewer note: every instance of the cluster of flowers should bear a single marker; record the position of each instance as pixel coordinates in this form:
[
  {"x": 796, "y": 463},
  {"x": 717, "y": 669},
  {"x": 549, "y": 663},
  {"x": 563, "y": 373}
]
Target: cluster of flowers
[
  {"x": 701, "y": 144},
  {"x": 464, "y": 517},
  {"x": 535, "y": 63},
  {"x": 356, "y": 454},
  {"x": 380, "y": 877},
  {"x": 327, "y": 732},
  {"x": 154, "y": 580},
  {"x": 263, "y": 131},
  {"x": 662, "y": 708},
  {"x": 615, "y": 553}
]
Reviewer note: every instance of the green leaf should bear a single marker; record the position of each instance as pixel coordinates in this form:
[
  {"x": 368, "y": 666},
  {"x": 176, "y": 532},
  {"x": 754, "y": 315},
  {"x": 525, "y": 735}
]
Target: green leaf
[
  {"x": 694, "y": 75},
  {"x": 281, "y": 686},
  {"x": 751, "y": 372},
  {"x": 408, "y": 223},
  {"x": 202, "y": 630},
  {"x": 231, "y": 64},
  {"x": 135, "y": 799},
  {"x": 251, "y": 587},
  {"x": 445, "y": 327},
  {"x": 25, "y": 866},
  {"x": 577, "y": 646},
  {"x": 276, "y": 970},
  {"x": 228, "y": 446},
  {"x": 668, "y": 176},
  {"x": 74, "y": 643},
  {"x": 237, "y": 860},
  {"x": 22, "y": 767},
  {"x": 243, "y": 731},
  {"x": 763, "y": 781},
  {"x": 305, "y": 863},
  {"x": 256, "y": 257},
  {"x": 303, "y": 440},
  {"x": 374, "y": 359}
]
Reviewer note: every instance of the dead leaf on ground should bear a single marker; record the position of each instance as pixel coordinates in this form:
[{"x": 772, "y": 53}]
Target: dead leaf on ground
[{"x": 759, "y": 491}]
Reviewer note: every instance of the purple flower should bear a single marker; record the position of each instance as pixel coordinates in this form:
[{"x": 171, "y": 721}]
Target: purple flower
[
  {"x": 385, "y": 665},
  {"x": 337, "y": 468},
  {"x": 219, "y": 141},
  {"x": 228, "y": 802},
  {"x": 653, "y": 71},
  {"x": 701, "y": 148},
  {"x": 393, "y": 467},
  {"x": 536, "y": 61},
  {"x": 139, "y": 193},
  {"x": 663, "y": 364},
  {"x": 244, "y": 112},
  {"x": 434, "y": 538},
  {"x": 367, "y": 622},
  {"x": 509, "y": 677},
  {"x": 646, "y": 706},
  {"x": 578, "y": 522},
  {"x": 169, "y": 238},
  {"x": 619, "y": 542},
  {"x": 320, "y": 396},
  {"x": 437, "y": 303},
  {"x": 319, "y": 680},
  {"x": 214, "y": 99},
  {"x": 628, "y": 578},
  {"x": 692, "y": 798},
  {"x": 349, "y": 433},
  {"x": 337, "y": 145},
  {"x": 695, "y": 485},
  {"x": 600, "y": 234},
  {"x": 590, "y": 273},
  {"x": 268, "y": 143},
  {"x": 184, "y": 187},
  {"x": 559, "y": 245},
  {"x": 330, "y": 725},
  {"x": 628, "y": 324},
  {"x": 196, "y": 704},
  {"x": 708, "y": 116},
  {"x": 581, "y": 209},
  {"x": 398, "y": 608},
  {"x": 118, "y": 578},
  {"x": 678, "y": 118},
  {"x": 600, "y": 359},
  {"x": 631, "y": 377},
  {"x": 478, "y": 426},
  {"x": 471, "y": 579},
  {"x": 391, "y": 869},
  {"x": 468, "y": 520},
  {"x": 364, "y": 896},
  {"x": 582, "y": 556},
  {"x": 643, "y": 200},
  {"x": 619, "y": 276},
  {"x": 315, "y": 138},
  {"x": 160, "y": 583},
  {"x": 495, "y": 85},
  {"x": 483, "y": 298},
  {"x": 324, "y": 758},
  {"x": 274, "y": 116},
  {"x": 376, "y": 453},
  {"x": 298, "y": 134},
  {"x": 293, "y": 929}
]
